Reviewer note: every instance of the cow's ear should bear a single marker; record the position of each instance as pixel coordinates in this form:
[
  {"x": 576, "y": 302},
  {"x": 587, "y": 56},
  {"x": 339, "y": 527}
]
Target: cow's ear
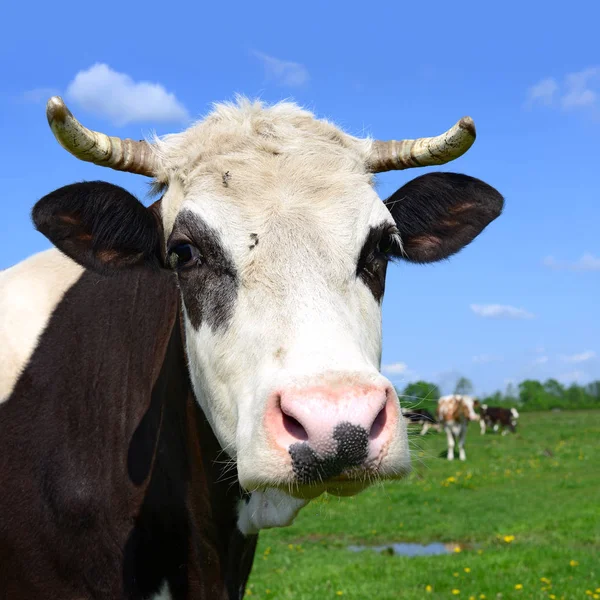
[
  {"x": 437, "y": 214},
  {"x": 100, "y": 225}
]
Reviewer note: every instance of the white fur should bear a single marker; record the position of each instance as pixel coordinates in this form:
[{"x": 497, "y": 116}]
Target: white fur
[
  {"x": 164, "y": 593},
  {"x": 29, "y": 293},
  {"x": 266, "y": 509}
]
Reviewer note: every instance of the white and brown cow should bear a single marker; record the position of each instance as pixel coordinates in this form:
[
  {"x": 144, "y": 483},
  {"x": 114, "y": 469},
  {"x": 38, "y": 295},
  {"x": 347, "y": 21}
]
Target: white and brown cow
[
  {"x": 454, "y": 412},
  {"x": 174, "y": 378}
]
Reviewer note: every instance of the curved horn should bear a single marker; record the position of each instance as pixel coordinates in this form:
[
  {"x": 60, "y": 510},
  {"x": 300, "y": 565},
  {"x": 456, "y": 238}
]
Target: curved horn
[
  {"x": 98, "y": 148},
  {"x": 422, "y": 152}
]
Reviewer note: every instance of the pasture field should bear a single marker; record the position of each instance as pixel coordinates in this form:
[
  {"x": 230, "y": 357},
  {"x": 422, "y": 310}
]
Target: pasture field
[{"x": 522, "y": 515}]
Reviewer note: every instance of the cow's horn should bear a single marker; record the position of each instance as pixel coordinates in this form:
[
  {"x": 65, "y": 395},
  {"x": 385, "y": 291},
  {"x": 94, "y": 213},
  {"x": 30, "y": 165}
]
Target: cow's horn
[
  {"x": 98, "y": 148},
  {"x": 422, "y": 152}
]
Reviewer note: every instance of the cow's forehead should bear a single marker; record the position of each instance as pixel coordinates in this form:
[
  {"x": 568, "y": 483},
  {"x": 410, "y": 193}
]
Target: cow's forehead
[{"x": 265, "y": 160}]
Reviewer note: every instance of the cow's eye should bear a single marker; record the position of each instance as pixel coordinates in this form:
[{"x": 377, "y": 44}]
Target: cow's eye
[
  {"x": 183, "y": 256},
  {"x": 388, "y": 244}
]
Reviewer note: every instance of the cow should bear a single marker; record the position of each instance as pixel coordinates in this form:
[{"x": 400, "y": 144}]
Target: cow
[
  {"x": 420, "y": 416},
  {"x": 497, "y": 418},
  {"x": 454, "y": 412},
  {"x": 177, "y": 377}
]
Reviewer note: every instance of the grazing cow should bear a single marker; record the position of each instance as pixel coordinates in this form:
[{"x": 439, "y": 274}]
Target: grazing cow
[
  {"x": 498, "y": 417},
  {"x": 454, "y": 412},
  {"x": 420, "y": 416},
  {"x": 175, "y": 378}
]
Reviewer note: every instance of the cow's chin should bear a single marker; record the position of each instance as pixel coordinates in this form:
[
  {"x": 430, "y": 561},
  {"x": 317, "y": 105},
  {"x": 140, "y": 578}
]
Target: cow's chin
[{"x": 335, "y": 487}]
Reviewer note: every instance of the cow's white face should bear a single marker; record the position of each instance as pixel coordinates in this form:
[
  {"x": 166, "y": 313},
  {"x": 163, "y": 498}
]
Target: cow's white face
[
  {"x": 282, "y": 291},
  {"x": 280, "y": 245}
]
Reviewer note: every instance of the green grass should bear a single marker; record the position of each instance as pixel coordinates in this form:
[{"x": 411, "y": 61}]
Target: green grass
[{"x": 541, "y": 486}]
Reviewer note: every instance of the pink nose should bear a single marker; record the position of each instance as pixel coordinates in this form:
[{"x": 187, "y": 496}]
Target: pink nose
[{"x": 328, "y": 429}]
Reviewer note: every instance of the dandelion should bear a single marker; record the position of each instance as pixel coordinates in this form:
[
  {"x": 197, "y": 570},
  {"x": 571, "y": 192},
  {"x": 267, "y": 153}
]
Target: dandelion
[
  {"x": 573, "y": 563},
  {"x": 467, "y": 570},
  {"x": 455, "y": 592},
  {"x": 457, "y": 549},
  {"x": 290, "y": 546},
  {"x": 509, "y": 538},
  {"x": 519, "y": 586},
  {"x": 589, "y": 592},
  {"x": 481, "y": 596},
  {"x": 339, "y": 593},
  {"x": 267, "y": 591},
  {"x": 428, "y": 589},
  {"x": 472, "y": 598},
  {"x": 455, "y": 574},
  {"x": 596, "y": 596},
  {"x": 544, "y": 580},
  {"x": 480, "y": 552},
  {"x": 552, "y": 597}
]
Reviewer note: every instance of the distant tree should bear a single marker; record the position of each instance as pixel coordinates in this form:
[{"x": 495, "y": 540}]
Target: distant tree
[
  {"x": 511, "y": 392},
  {"x": 463, "y": 386},
  {"x": 531, "y": 392},
  {"x": 593, "y": 390},
  {"x": 554, "y": 388},
  {"x": 415, "y": 393}
]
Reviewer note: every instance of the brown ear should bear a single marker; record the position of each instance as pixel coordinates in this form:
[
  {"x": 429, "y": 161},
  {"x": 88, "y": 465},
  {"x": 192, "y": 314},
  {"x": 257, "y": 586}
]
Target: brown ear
[
  {"x": 438, "y": 214},
  {"x": 101, "y": 226}
]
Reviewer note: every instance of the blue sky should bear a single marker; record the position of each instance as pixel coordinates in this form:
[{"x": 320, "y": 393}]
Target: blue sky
[{"x": 521, "y": 301}]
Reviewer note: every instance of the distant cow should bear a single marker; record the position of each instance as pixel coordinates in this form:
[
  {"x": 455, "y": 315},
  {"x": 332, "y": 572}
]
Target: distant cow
[
  {"x": 498, "y": 418},
  {"x": 421, "y": 416},
  {"x": 454, "y": 413}
]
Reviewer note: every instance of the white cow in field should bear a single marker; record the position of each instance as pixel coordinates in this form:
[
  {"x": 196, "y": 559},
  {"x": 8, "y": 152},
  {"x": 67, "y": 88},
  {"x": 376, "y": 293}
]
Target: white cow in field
[{"x": 454, "y": 413}]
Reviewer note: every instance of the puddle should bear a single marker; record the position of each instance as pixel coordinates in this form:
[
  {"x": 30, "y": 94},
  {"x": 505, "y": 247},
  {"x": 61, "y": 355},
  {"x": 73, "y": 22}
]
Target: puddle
[{"x": 407, "y": 549}]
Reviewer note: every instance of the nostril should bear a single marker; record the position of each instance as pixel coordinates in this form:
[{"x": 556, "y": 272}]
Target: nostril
[
  {"x": 378, "y": 423},
  {"x": 293, "y": 427}
]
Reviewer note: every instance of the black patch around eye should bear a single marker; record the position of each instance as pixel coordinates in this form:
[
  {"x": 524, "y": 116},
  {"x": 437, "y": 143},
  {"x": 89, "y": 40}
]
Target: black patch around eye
[
  {"x": 209, "y": 290},
  {"x": 374, "y": 256}
]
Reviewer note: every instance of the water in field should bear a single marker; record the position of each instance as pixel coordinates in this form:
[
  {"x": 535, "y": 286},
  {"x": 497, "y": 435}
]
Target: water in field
[{"x": 406, "y": 549}]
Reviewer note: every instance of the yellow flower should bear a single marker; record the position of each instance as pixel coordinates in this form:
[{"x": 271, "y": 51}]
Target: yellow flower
[
  {"x": 472, "y": 598},
  {"x": 508, "y": 538},
  {"x": 339, "y": 593},
  {"x": 519, "y": 586},
  {"x": 596, "y": 596},
  {"x": 481, "y": 596},
  {"x": 544, "y": 580},
  {"x": 456, "y": 592},
  {"x": 479, "y": 551},
  {"x": 428, "y": 589},
  {"x": 589, "y": 592},
  {"x": 451, "y": 479},
  {"x": 467, "y": 570},
  {"x": 457, "y": 549},
  {"x": 597, "y": 590},
  {"x": 267, "y": 591},
  {"x": 552, "y": 597},
  {"x": 455, "y": 574},
  {"x": 573, "y": 563},
  {"x": 290, "y": 546}
]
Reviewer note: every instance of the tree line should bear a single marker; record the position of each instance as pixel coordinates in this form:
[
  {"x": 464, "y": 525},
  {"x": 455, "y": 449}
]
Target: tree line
[{"x": 529, "y": 395}]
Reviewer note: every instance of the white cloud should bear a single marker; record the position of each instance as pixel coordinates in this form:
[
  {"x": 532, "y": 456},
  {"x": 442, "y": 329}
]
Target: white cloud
[
  {"x": 486, "y": 358},
  {"x": 117, "y": 97},
  {"x": 572, "y": 376},
  {"x": 284, "y": 72},
  {"x": 579, "y": 358},
  {"x": 540, "y": 360},
  {"x": 579, "y": 90},
  {"x": 39, "y": 95},
  {"x": 398, "y": 368},
  {"x": 500, "y": 311},
  {"x": 587, "y": 262},
  {"x": 542, "y": 92}
]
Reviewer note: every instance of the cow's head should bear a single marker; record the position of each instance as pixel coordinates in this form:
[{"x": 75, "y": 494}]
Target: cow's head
[{"x": 280, "y": 245}]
